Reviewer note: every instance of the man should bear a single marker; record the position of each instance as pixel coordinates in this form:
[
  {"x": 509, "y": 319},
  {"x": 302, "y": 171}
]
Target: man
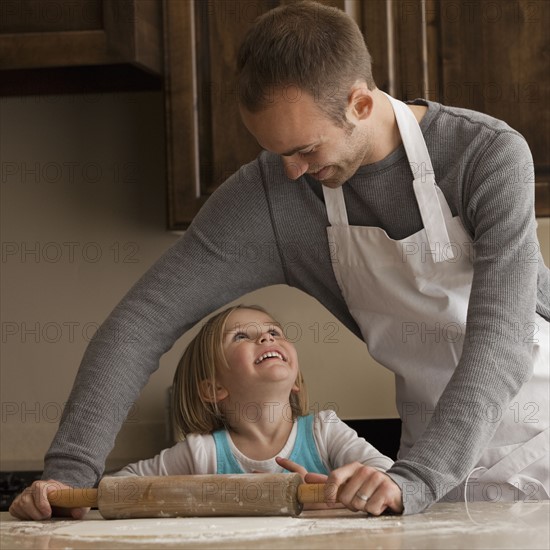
[{"x": 413, "y": 229}]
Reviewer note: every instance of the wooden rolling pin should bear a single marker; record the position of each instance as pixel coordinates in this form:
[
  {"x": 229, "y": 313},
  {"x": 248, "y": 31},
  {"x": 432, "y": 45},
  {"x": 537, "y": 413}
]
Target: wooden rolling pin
[{"x": 196, "y": 495}]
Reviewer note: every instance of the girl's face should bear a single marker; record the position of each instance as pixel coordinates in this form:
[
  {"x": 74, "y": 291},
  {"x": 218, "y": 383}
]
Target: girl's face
[{"x": 257, "y": 354}]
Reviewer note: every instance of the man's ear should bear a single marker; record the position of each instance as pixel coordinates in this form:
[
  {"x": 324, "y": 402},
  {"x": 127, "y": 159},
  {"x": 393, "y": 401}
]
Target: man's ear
[
  {"x": 212, "y": 393},
  {"x": 360, "y": 102}
]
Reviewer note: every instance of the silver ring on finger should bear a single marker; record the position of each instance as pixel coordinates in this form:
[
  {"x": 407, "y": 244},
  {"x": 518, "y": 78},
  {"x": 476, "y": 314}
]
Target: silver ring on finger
[{"x": 364, "y": 498}]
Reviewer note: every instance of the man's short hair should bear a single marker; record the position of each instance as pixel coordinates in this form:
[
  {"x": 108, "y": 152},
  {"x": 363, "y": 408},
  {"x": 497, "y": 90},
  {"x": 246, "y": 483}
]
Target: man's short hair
[{"x": 303, "y": 46}]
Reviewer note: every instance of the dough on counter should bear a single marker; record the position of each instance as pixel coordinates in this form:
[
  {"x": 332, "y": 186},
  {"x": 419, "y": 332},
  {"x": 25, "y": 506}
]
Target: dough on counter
[{"x": 206, "y": 528}]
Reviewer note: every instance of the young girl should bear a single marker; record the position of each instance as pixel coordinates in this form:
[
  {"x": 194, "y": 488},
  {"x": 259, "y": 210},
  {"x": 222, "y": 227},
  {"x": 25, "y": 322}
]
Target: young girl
[{"x": 240, "y": 402}]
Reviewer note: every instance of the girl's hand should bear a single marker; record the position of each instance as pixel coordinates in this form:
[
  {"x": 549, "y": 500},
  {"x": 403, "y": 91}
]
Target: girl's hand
[
  {"x": 293, "y": 467},
  {"x": 33, "y": 503},
  {"x": 362, "y": 488}
]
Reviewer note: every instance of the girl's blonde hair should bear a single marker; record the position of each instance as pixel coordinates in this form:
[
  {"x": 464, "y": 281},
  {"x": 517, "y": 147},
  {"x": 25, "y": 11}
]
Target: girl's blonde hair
[{"x": 191, "y": 411}]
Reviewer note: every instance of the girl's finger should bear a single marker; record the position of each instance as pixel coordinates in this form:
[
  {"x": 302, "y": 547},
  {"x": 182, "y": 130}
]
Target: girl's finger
[
  {"x": 291, "y": 466},
  {"x": 315, "y": 478}
]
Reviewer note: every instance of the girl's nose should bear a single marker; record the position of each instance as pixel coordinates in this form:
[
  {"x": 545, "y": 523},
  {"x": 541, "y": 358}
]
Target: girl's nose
[
  {"x": 266, "y": 337},
  {"x": 295, "y": 166}
]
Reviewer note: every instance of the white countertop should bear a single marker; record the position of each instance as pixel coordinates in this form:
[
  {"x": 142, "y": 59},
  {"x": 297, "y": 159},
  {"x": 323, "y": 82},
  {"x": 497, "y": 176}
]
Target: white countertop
[{"x": 480, "y": 525}]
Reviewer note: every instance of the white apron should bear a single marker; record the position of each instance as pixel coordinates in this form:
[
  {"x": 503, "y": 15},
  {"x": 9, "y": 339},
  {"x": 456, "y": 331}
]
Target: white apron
[{"x": 410, "y": 299}]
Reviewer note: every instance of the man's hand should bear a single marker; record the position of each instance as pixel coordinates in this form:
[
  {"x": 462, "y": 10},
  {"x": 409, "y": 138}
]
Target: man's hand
[
  {"x": 362, "y": 488},
  {"x": 356, "y": 486},
  {"x": 33, "y": 503}
]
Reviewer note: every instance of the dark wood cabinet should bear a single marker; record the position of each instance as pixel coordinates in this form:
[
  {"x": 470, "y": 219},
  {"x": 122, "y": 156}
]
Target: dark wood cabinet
[
  {"x": 487, "y": 55},
  {"x": 80, "y": 46},
  {"x": 207, "y": 141},
  {"x": 478, "y": 54},
  {"x": 40, "y": 33},
  {"x": 500, "y": 58}
]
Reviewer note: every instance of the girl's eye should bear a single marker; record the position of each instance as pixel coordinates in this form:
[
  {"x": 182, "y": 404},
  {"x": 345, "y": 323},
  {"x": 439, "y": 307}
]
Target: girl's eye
[
  {"x": 240, "y": 336},
  {"x": 274, "y": 332}
]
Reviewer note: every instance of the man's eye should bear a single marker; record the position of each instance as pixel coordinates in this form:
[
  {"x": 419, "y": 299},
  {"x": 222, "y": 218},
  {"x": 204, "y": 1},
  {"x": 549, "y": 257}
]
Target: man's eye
[{"x": 305, "y": 153}]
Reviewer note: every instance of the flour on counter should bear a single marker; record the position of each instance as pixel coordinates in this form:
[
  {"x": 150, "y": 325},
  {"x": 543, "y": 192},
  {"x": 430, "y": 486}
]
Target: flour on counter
[
  {"x": 205, "y": 528},
  {"x": 227, "y": 528},
  {"x": 444, "y": 522}
]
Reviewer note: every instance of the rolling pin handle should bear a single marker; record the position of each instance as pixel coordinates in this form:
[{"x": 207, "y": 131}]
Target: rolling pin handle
[
  {"x": 73, "y": 498},
  {"x": 311, "y": 492}
]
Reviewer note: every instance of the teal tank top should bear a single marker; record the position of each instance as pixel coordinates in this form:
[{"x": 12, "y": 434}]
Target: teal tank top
[{"x": 304, "y": 452}]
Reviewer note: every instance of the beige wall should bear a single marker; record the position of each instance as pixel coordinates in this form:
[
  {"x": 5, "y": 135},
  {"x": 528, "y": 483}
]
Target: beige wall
[{"x": 83, "y": 216}]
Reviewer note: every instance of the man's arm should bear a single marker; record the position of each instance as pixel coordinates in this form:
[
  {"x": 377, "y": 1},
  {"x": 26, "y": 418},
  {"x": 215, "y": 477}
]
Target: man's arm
[
  {"x": 208, "y": 267},
  {"x": 495, "y": 362}
]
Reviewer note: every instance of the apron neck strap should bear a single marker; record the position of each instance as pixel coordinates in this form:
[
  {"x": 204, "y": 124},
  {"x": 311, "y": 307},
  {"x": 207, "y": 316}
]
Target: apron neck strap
[
  {"x": 336, "y": 206},
  {"x": 413, "y": 141},
  {"x": 433, "y": 208}
]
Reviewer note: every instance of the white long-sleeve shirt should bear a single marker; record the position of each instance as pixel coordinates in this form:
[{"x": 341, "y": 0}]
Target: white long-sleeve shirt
[{"x": 337, "y": 445}]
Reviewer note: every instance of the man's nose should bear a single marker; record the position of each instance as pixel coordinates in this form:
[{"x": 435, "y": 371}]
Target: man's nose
[{"x": 295, "y": 166}]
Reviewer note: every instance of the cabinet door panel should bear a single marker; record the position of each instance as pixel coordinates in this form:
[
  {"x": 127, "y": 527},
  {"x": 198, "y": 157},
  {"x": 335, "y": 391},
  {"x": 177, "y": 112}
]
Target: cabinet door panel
[
  {"x": 494, "y": 59},
  {"x": 206, "y": 139},
  {"x": 36, "y": 34},
  {"x": 224, "y": 142},
  {"x": 25, "y": 16}
]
